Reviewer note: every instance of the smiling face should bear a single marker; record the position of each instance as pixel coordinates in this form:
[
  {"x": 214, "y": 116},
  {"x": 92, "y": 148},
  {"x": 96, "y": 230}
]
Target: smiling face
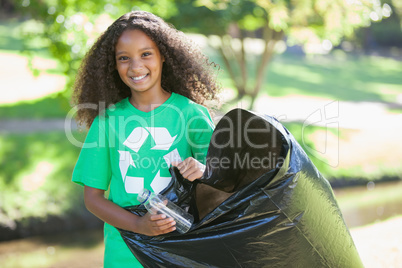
[{"x": 139, "y": 62}]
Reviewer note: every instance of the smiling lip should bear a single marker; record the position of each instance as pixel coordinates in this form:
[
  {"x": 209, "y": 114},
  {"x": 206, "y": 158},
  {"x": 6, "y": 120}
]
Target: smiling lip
[{"x": 138, "y": 78}]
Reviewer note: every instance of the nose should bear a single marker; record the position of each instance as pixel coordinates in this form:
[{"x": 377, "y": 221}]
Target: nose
[{"x": 136, "y": 64}]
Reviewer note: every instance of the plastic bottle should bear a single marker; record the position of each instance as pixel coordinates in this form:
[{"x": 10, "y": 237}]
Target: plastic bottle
[{"x": 156, "y": 203}]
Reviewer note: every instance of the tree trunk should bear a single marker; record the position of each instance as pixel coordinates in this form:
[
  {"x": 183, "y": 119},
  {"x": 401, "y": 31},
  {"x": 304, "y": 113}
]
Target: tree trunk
[
  {"x": 239, "y": 75},
  {"x": 271, "y": 38},
  {"x": 240, "y": 81},
  {"x": 229, "y": 67},
  {"x": 243, "y": 62}
]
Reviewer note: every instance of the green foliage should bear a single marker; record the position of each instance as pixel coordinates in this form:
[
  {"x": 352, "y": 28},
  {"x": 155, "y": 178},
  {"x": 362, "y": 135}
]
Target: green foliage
[
  {"x": 381, "y": 34},
  {"x": 10, "y": 36},
  {"x": 303, "y": 21},
  {"x": 35, "y": 181},
  {"x": 397, "y": 8}
]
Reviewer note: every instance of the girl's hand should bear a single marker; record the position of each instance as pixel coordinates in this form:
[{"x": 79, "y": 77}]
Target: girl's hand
[
  {"x": 149, "y": 224},
  {"x": 155, "y": 224},
  {"x": 190, "y": 169}
]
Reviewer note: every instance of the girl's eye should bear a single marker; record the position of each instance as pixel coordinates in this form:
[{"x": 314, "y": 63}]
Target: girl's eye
[
  {"x": 123, "y": 58},
  {"x": 146, "y": 54}
]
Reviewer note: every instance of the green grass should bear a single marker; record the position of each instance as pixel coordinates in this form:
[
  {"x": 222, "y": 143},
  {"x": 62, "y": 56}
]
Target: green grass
[
  {"x": 348, "y": 78},
  {"x": 353, "y": 198},
  {"x": 68, "y": 249},
  {"x": 362, "y": 205},
  {"x": 339, "y": 76},
  {"x": 53, "y": 106},
  {"x": 330, "y": 170},
  {"x": 35, "y": 175},
  {"x": 395, "y": 110},
  {"x": 296, "y": 130}
]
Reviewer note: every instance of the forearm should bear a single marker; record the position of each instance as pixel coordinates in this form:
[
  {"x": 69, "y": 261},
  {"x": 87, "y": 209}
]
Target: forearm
[{"x": 108, "y": 211}]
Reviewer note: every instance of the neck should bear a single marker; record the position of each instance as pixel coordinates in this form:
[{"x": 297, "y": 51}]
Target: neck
[{"x": 148, "y": 102}]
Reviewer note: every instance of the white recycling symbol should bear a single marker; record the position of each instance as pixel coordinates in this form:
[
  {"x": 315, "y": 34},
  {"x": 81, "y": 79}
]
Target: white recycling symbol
[{"x": 163, "y": 141}]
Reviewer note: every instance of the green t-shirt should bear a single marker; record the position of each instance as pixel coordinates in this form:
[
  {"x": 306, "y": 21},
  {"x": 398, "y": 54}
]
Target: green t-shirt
[{"x": 127, "y": 149}]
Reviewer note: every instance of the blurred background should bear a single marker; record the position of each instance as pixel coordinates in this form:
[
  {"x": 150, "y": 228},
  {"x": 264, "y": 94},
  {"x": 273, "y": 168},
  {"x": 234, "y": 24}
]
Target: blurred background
[{"x": 330, "y": 71}]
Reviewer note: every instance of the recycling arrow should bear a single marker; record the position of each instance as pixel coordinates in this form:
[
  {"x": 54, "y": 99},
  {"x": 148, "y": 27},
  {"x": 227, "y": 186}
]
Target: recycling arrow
[
  {"x": 134, "y": 185},
  {"x": 136, "y": 139},
  {"x": 163, "y": 141},
  {"x": 172, "y": 156},
  {"x": 125, "y": 162},
  {"x": 159, "y": 183},
  {"x": 161, "y": 136}
]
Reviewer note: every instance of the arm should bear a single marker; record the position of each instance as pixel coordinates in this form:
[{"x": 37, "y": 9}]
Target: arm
[
  {"x": 199, "y": 131},
  {"x": 117, "y": 216}
]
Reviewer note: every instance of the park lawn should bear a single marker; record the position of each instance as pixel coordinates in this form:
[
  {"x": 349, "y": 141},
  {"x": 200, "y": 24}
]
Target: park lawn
[
  {"x": 55, "y": 105},
  {"x": 35, "y": 178},
  {"x": 345, "y": 159},
  {"x": 339, "y": 76},
  {"x": 67, "y": 249}
]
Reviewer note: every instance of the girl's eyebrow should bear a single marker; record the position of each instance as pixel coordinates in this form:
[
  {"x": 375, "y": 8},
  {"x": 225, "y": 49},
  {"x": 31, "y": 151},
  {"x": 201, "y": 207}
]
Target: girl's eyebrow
[{"x": 145, "y": 48}]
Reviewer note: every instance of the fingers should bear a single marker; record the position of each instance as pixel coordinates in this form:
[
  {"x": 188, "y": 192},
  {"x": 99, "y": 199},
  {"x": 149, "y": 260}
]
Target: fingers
[
  {"x": 157, "y": 217},
  {"x": 194, "y": 176},
  {"x": 152, "y": 225},
  {"x": 185, "y": 165},
  {"x": 190, "y": 168},
  {"x": 162, "y": 224}
]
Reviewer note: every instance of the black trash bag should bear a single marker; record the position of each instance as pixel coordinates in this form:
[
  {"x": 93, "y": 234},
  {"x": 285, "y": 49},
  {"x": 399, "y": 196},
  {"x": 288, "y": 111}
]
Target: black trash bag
[{"x": 260, "y": 203}]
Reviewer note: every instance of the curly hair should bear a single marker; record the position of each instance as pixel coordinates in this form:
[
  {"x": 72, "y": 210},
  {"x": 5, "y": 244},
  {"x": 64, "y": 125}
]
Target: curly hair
[{"x": 186, "y": 70}]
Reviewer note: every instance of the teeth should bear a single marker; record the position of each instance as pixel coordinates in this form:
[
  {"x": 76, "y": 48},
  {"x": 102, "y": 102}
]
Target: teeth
[{"x": 138, "y": 77}]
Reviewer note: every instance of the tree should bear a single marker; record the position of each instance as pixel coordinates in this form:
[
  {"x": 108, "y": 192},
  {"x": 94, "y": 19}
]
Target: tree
[
  {"x": 71, "y": 26},
  {"x": 304, "y": 22},
  {"x": 384, "y": 34}
]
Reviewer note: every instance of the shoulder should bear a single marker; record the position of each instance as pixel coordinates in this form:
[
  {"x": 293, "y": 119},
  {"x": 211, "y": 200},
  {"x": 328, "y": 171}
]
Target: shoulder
[
  {"x": 189, "y": 107},
  {"x": 196, "y": 114}
]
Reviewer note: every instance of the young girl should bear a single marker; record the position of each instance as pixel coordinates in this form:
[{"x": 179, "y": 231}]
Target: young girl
[{"x": 153, "y": 82}]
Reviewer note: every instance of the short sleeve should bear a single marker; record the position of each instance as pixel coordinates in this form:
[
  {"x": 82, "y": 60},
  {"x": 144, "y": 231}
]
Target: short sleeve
[
  {"x": 93, "y": 166},
  {"x": 200, "y": 129}
]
